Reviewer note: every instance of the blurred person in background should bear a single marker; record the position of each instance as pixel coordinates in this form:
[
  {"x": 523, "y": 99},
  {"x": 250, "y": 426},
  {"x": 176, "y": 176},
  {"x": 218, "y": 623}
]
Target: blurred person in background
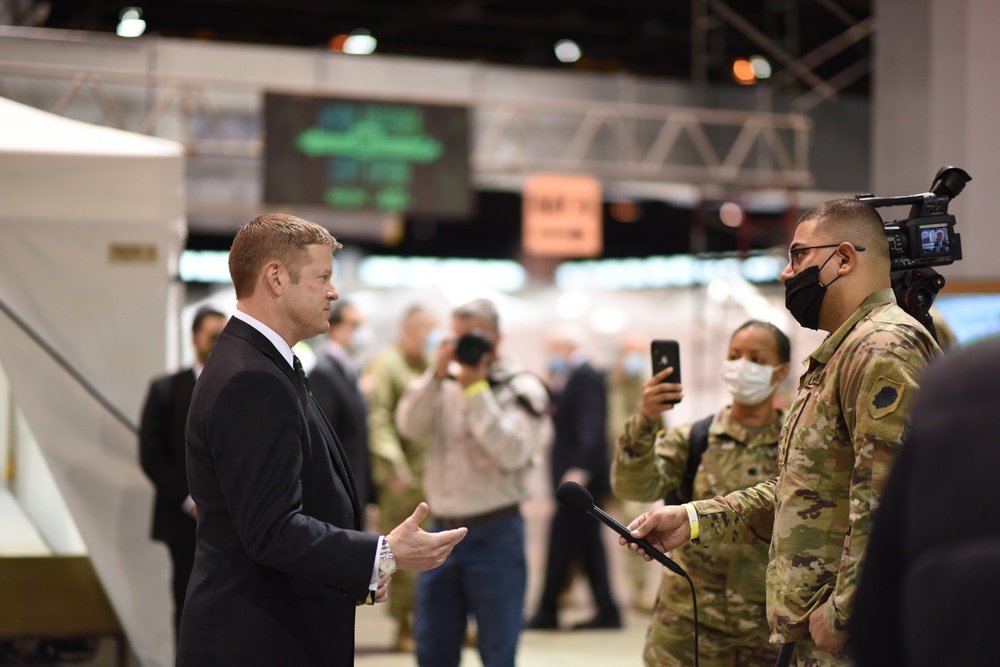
[
  {"x": 626, "y": 380},
  {"x": 735, "y": 447},
  {"x": 485, "y": 419},
  {"x": 161, "y": 452},
  {"x": 334, "y": 381},
  {"x": 579, "y": 454},
  {"x": 398, "y": 462}
]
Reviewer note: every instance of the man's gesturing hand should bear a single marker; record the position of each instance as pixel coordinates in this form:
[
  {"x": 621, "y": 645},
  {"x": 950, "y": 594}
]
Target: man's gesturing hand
[
  {"x": 665, "y": 528},
  {"x": 416, "y": 549}
]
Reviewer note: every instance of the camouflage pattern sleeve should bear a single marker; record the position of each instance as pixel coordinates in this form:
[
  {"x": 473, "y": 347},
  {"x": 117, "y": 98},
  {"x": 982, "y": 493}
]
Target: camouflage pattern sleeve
[
  {"x": 649, "y": 462},
  {"x": 877, "y": 389},
  {"x": 742, "y": 517},
  {"x": 387, "y": 452}
]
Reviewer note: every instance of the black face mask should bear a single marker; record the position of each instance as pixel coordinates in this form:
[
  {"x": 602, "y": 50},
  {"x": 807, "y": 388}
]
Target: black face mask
[{"x": 804, "y": 295}]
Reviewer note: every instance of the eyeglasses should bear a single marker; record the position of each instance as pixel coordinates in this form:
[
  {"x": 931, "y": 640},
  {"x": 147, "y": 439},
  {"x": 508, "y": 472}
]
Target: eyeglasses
[{"x": 796, "y": 254}]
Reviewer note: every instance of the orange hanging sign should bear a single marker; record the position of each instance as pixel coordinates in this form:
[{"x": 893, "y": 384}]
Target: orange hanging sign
[{"x": 562, "y": 216}]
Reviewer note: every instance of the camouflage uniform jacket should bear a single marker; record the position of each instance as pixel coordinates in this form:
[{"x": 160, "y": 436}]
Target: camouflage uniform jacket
[
  {"x": 729, "y": 579},
  {"x": 387, "y": 377},
  {"x": 836, "y": 448}
]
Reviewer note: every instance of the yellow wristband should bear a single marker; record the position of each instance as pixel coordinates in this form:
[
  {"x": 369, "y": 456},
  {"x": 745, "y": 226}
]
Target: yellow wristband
[
  {"x": 477, "y": 387},
  {"x": 692, "y": 520}
]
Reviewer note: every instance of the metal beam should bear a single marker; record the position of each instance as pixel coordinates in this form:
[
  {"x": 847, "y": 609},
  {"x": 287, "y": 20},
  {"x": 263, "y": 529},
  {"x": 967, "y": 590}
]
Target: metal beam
[
  {"x": 615, "y": 140},
  {"x": 773, "y": 48}
]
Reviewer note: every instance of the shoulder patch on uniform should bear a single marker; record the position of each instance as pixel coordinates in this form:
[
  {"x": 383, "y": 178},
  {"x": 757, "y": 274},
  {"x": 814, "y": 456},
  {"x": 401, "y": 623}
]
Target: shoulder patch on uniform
[{"x": 885, "y": 397}]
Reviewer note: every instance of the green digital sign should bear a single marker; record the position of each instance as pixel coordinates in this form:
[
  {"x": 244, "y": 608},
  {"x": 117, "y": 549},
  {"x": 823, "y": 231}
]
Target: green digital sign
[{"x": 367, "y": 156}]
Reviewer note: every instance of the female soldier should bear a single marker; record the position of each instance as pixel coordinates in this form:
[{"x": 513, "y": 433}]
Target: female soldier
[{"x": 738, "y": 451}]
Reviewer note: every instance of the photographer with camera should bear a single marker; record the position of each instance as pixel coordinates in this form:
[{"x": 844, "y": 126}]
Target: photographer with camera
[
  {"x": 485, "y": 422},
  {"x": 838, "y": 443}
]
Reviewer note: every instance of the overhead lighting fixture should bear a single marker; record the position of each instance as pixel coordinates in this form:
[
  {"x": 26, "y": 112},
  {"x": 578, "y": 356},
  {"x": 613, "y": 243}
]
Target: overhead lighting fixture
[
  {"x": 360, "y": 43},
  {"x": 761, "y": 67},
  {"x": 567, "y": 51},
  {"x": 130, "y": 23},
  {"x": 743, "y": 72},
  {"x": 731, "y": 214}
]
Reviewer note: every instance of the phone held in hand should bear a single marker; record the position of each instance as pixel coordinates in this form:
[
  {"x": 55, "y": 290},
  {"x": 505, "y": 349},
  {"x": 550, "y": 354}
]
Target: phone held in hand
[{"x": 666, "y": 353}]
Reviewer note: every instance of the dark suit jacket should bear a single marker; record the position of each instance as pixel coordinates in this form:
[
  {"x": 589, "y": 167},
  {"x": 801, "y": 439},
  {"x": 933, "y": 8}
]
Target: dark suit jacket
[
  {"x": 279, "y": 562},
  {"x": 336, "y": 390},
  {"x": 930, "y": 580},
  {"x": 581, "y": 410},
  {"x": 161, "y": 452}
]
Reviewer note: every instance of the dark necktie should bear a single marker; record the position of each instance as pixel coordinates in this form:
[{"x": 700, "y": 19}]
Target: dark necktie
[{"x": 301, "y": 372}]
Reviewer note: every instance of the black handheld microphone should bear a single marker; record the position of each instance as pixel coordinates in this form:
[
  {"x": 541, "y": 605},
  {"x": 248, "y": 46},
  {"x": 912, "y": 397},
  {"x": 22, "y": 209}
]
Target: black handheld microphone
[{"x": 575, "y": 497}]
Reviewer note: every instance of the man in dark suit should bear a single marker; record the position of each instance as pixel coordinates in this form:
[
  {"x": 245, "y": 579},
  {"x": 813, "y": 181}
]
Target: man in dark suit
[
  {"x": 161, "y": 452},
  {"x": 281, "y": 561},
  {"x": 579, "y": 454},
  {"x": 334, "y": 383}
]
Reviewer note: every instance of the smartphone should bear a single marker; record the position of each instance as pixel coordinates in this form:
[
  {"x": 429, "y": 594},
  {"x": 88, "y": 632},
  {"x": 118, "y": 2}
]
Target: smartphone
[{"x": 666, "y": 353}]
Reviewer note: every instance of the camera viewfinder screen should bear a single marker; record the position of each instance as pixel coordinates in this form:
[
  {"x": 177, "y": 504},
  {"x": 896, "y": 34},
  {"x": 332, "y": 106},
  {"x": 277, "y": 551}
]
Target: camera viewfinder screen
[{"x": 934, "y": 240}]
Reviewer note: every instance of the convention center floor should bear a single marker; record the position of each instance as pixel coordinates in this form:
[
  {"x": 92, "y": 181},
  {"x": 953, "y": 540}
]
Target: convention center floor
[
  {"x": 579, "y": 648},
  {"x": 597, "y": 648}
]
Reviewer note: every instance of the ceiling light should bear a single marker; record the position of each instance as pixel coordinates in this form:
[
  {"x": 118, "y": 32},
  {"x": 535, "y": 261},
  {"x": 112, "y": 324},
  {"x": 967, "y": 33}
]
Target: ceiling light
[
  {"x": 360, "y": 43},
  {"x": 743, "y": 72},
  {"x": 761, "y": 67},
  {"x": 731, "y": 214},
  {"x": 130, "y": 23},
  {"x": 567, "y": 51}
]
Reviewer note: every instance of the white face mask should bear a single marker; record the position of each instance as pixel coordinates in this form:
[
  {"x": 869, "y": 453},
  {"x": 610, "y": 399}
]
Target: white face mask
[
  {"x": 749, "y": 383},
  {"x": 361, "y": 338}
]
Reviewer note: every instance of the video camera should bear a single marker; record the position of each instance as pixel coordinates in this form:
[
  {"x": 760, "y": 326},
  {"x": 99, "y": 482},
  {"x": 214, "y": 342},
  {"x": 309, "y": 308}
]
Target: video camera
[
  {"x": 923, "y": 240},
  {"x": 927, "y": 237}
]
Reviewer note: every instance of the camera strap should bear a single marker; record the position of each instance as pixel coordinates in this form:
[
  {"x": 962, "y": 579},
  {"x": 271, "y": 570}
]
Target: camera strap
[{"x": 506, "y": 380}]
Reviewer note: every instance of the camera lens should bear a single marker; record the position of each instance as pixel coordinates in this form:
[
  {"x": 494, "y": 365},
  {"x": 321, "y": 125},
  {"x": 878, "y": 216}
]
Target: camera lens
[{"x": 470, "y": 348}]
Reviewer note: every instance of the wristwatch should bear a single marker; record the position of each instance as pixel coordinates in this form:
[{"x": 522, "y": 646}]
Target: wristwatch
[{"x": 386, "y": 561}]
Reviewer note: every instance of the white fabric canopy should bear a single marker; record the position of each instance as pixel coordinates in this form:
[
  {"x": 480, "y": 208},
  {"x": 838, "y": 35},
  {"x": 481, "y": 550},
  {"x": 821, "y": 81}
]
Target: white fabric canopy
[{"x": 91, "y": 225}]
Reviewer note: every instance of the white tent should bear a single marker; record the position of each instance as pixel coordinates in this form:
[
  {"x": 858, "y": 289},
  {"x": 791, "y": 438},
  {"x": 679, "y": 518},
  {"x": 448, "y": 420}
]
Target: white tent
[{"x": 91, "y": 224}]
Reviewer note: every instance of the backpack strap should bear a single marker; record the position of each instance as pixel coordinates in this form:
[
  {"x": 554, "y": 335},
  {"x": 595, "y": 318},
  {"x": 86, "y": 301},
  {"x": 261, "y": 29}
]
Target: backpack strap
[{"x": 697, "y": 444}]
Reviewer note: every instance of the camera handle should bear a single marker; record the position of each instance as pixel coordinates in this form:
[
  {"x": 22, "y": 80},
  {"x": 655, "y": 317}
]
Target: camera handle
[{"x": 915, "y": 291}]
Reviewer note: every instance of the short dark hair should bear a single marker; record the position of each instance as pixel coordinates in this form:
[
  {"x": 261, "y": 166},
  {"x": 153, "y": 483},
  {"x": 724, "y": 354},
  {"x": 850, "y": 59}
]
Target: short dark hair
[
  {"x": 781, "y": 342},
  {"x": 851, "y": 220},
  {"x": 200, "y": 315},
  {"x": 337, "y": 309}
]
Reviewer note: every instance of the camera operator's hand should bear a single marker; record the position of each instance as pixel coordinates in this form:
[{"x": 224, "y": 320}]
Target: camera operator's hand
[
  {"x": 469, "y": 374},
  {"x": 657, "y": 395},
  {"x": 443, "y": 356}
]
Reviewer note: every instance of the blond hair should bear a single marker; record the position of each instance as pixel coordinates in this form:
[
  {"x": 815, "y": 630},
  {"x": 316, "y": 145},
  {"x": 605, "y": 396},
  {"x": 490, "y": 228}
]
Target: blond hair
[{"x": 273, "y": 237}]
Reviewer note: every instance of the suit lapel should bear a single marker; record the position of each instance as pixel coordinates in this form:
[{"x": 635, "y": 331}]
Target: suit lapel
[{"x": 313, "y": 413}]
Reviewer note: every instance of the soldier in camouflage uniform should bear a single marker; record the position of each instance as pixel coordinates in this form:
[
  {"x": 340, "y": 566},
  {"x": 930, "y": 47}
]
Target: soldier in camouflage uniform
[
  {"x": 742, "y": 450},
  {"x": 837, "y": 446},
  {"x": 397, "y": 462}
]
